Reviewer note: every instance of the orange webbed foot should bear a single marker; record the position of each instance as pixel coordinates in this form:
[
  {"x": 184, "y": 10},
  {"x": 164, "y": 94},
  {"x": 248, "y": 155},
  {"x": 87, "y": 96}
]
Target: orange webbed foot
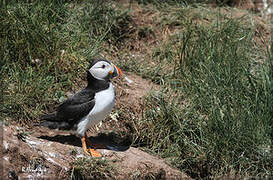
[
  {"x": 94, "y": 153},
  {"x": 90, "y": 152}
]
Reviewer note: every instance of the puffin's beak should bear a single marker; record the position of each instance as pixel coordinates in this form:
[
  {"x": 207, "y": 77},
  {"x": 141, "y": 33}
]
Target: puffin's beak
[{"x": 116, "y": 71}]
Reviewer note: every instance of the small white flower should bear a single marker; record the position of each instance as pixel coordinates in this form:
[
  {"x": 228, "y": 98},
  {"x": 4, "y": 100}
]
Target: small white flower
[
  {"x": 37, "y": 60},
  {"x": 128, "y": 80},
  {"x": 62, "y": 52}
]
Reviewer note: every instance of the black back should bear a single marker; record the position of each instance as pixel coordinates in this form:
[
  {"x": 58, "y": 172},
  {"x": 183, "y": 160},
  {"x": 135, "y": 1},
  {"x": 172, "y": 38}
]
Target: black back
[{"x": 80, "y": 104}]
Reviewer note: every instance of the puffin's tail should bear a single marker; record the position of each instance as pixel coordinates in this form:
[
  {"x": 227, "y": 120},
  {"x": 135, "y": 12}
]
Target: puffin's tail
[
  {"x": 55, "y": 125},
  {"x": 51, "y": 121}
]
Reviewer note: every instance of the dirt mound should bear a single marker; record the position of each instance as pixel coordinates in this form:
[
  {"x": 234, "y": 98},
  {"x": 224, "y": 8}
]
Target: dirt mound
[{"x": 30, "y": 155}]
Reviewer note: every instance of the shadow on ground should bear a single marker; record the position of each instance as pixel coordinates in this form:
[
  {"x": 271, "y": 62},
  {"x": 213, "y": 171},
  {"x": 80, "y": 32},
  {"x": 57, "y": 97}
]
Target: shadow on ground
[{"x": 110, "y": 141}]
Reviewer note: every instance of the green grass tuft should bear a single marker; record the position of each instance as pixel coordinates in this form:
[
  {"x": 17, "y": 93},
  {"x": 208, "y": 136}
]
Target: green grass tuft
[
  {"x": 47, "y": 46},
  {"x": 214, "y": 114},
  {"x": 84, "y": 168}
]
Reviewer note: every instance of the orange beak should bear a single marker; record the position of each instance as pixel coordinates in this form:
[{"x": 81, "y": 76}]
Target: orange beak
[{"x": 118, "y": 70}]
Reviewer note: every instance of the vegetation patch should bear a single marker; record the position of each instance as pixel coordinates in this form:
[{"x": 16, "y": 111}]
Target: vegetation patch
[
  {"x": 46, "y": 48},
  {"x": 214, "y": 112},
  {"x": 83, "y": 168}
]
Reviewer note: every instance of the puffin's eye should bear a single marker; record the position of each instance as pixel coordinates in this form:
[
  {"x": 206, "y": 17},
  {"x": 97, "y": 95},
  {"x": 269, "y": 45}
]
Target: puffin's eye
[{"x": 103, "y": 66}]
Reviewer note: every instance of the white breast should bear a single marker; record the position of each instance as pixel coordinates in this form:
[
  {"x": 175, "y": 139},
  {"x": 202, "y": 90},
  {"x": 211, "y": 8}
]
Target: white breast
[{"x": 104, "y": 103}]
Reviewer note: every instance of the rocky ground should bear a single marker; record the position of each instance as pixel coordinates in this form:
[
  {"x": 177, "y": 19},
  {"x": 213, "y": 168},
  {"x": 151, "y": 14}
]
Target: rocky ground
[{"x": 32, "y": 156}]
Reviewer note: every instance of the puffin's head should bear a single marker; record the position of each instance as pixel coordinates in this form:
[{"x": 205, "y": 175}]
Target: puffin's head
[{"x": 104, "y": 70}]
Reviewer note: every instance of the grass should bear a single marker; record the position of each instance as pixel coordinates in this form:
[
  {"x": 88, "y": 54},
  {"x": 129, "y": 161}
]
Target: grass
[
  {"x": 84, "y": 168},
  {"x": 213, "y": 114},
  {"x": 46, "y": 44}
]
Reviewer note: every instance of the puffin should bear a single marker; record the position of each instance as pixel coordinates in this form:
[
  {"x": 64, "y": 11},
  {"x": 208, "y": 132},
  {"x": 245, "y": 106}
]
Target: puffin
[{"x": 88, "y": 106}]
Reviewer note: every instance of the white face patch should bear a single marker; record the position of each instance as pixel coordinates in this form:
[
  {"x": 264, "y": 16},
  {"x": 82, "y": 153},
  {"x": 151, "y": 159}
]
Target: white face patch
[{"x": 101, "y": 70}]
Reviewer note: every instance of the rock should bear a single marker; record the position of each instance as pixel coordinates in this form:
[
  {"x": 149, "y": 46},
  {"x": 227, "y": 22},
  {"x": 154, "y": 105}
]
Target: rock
[{"x": 39, "y": 155}]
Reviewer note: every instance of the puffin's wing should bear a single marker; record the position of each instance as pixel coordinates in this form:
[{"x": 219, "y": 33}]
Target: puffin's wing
[{"x": 77, "y": 106}]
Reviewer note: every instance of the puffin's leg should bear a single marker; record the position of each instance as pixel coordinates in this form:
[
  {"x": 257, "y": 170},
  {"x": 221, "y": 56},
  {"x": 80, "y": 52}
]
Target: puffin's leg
[
  {"x": 84, "y": 145},
  {"x": 90, "y": 151}
]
